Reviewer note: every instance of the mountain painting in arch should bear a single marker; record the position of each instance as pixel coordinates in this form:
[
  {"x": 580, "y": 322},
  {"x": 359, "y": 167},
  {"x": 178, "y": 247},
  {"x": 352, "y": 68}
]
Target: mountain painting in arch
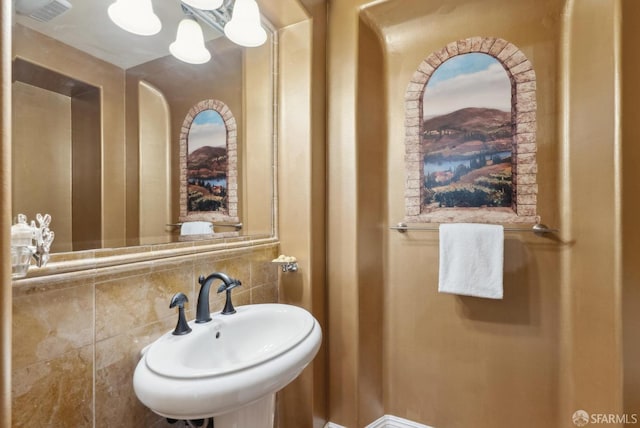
[
  {"x": 207, "y": 159},
  {"x": 467, "y": 134}
]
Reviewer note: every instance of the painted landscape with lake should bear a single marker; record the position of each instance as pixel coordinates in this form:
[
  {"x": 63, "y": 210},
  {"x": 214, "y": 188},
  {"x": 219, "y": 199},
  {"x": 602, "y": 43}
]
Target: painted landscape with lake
[
  {"x": 467, "y": 135},
  {"x": 467, "y": 160},
  {"x": 207, "y": 187}
]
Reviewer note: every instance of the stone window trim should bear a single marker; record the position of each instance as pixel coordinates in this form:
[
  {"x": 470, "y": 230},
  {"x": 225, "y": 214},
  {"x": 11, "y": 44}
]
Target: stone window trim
[
  {"x": 232, "y": 164},
  {"x": 524, "y": 147}
]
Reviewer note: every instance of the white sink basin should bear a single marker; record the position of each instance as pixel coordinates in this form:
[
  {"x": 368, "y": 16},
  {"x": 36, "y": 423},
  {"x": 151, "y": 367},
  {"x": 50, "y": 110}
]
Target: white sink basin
[{"x": 228, "y": 362}]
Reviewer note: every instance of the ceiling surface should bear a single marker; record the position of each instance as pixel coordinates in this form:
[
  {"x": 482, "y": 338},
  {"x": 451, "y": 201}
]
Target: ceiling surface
[{"x": 87, "y": 27}]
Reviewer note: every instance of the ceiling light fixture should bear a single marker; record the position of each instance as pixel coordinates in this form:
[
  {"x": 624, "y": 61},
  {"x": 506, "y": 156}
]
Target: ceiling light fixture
[
  {"x": 243, "y": 28},
  {"x": 135, "y": 16},
  {"x": 189, "y": 45}
]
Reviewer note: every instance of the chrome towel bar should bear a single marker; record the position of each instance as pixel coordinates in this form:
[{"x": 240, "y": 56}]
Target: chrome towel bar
[{"x": 538, "y": 229}]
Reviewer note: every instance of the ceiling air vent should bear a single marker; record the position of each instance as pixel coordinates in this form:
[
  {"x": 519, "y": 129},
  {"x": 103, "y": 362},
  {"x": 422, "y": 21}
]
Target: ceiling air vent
[{"x": 42, "y": 10}]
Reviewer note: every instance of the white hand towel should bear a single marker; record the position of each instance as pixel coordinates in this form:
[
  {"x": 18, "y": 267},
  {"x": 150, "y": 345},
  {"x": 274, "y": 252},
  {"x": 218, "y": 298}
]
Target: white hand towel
[
  {"x": 471, "y": 259},
  {"x": 196, "y": 228}
]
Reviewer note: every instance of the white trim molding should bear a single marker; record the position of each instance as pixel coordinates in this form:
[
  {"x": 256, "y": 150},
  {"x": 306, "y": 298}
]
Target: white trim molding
[{"x": 386, "y": 421}]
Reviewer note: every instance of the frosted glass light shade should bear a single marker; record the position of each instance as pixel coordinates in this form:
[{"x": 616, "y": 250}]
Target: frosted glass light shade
[
  {"x": 135, "y": 16},
  {"x": 204, "y": 4},
  {"x": 189, "y": 45},
  {"x": 244, "y": 27}
]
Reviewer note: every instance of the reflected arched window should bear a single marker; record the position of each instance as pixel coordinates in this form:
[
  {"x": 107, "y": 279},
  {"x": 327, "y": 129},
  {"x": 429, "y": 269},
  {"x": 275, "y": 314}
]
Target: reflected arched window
[{"x": 208, "y": 188}]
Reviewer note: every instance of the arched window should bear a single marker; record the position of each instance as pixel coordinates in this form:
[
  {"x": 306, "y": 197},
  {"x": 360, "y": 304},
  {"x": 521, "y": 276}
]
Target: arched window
[
  {"x": 471, "y": 135},
  {"x": 209, "y": 164}
]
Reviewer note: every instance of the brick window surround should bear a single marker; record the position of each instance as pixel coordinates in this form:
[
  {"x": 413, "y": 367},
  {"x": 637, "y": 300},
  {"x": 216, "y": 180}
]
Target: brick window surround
[
  {"x": 524, "y": 147},
  {"x": 232, "y": 164}
]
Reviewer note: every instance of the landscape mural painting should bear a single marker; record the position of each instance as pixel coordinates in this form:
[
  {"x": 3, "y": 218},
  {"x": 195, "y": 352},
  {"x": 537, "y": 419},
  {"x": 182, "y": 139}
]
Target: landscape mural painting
[
  {"x": 467, "y": 134},
  {"x": 207, "y": 186}
]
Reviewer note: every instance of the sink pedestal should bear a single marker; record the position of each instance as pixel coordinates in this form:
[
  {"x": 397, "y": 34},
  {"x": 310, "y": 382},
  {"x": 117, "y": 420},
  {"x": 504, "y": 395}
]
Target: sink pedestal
[{"x": 258, "y": 414}]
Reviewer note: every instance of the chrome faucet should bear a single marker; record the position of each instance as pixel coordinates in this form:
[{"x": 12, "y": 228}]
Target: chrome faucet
[{"x": 203, "y": 313}]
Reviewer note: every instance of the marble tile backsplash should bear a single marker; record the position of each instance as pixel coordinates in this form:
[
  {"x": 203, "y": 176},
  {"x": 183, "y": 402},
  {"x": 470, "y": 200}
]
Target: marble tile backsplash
[{"x": 77, "y": 337}]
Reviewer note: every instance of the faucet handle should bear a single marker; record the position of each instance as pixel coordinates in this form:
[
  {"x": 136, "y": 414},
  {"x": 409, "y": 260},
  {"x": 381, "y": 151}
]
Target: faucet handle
[
  {"x": 228, "y": 286},
  {"x": 179, "y": 299},
  {"x": 233, "y": 283}
]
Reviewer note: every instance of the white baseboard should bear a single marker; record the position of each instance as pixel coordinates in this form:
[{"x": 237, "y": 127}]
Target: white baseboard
[
  {"x": 390, "y": 421},
  {"x": 387, "y": 421}
]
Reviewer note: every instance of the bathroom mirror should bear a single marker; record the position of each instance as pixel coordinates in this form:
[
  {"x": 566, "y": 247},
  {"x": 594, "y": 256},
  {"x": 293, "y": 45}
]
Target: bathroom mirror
[{"x": 97, "y": 118}]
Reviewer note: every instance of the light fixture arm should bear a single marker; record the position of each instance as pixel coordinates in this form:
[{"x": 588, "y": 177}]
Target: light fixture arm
[{"x": 216, "y": 19}]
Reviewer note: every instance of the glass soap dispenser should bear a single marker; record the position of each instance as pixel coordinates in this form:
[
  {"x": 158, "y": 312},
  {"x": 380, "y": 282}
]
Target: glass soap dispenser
[
  {"x": 22, "y": 247},
  {"x": 29, "y": 240}
]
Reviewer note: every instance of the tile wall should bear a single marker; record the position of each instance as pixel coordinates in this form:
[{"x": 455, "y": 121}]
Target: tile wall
[{"x": 77, "y": 336}]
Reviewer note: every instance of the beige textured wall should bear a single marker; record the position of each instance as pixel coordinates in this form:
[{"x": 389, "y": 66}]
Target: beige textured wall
[
  {"x": 5, "y": 214},
  {"x": 462, "y": 361},
  {"x": 86, "y": 167},
  {"x": 256, "y": 151},
  {"x": 342, "y": 216},
  {"x": 154, "y": 193},
  {"x": 58, "y": 171},
  {"x": 371, "y": 128},
  {"x": 296, "y": 403},
  {"x": 41, "y": 50},
  {"x": 293, "y": 155},
  {"x": 32, "y": 184},
  {"x": 301, "y": 209},
  {"x": 630, "y": 204},
  {"x": 553, "y": 344},
  {"x": 591, "y": 353}
]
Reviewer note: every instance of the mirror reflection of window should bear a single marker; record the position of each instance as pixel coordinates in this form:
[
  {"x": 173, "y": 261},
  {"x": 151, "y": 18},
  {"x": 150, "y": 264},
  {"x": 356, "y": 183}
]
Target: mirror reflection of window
[{"x": 207, "y": 166}]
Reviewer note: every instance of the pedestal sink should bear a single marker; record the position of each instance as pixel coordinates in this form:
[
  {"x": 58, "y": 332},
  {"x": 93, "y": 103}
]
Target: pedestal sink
[{"x": 230, "y": 367}]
